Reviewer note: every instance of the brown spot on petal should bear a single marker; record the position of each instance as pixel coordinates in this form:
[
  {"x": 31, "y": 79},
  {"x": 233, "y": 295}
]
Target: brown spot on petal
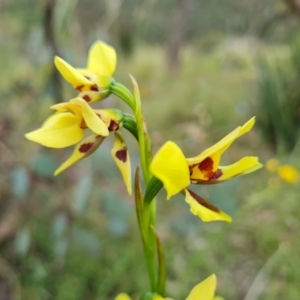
[
  {"x": 203, "y": 202},
  {"x": 79, "y": 88},
  {"x": 87, "y": 98},
  {"x": 122, "y": 155},
  {"x": 94, "y": 88},
  {"x": 191, "y": 167},
  {"x": 99, "y": 116},
  {"x": 217, "y": 174},
  {"x": 206, "y": 167},
  {"x": 85, "y": 147},
  {"x": 113, "y": 126},
  {"x": 88, "y": 78}
]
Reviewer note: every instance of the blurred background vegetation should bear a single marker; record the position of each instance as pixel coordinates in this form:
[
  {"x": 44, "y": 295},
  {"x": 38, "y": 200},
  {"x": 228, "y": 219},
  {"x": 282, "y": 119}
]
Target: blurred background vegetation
[{"x": 204, "y": 67}]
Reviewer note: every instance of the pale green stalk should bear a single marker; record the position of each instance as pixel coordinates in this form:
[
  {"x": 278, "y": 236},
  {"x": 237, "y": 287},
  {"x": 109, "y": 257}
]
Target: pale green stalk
[{"x": 146, "y": 211}]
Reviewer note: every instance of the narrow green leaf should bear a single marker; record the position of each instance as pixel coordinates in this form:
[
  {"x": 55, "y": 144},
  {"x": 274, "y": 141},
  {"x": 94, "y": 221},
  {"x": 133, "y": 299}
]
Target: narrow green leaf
[
  {"x": 136, "y": 94},
  {"x": 138, "y": 197},
  {"x": 161, "y": 280}
]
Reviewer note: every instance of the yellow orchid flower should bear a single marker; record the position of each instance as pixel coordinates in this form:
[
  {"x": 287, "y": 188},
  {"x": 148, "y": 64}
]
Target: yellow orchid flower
[
  {"x": 204, "y": 290},
  {"x": 67, "y": 126},
  {"x": 288, "y": 173},
  {"x": 177, "y": 172},
  {"x": 92, "y": 82},
  {"x": 122, "y": 296}
]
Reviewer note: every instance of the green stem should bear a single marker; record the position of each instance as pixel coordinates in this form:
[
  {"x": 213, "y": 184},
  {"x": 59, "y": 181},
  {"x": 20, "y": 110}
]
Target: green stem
[
  {"x": 130, "y": 124},
  {"x": 147, "y": 223},
  {"x": 145, "y": 159},
  {"x": 123, "y": 93}
]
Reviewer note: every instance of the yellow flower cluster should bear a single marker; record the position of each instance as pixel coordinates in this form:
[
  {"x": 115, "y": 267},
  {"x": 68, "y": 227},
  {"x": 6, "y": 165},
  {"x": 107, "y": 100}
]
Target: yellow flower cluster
[
  {"x": 286, "y": 172},
  {"x": 68, "y": 126}
]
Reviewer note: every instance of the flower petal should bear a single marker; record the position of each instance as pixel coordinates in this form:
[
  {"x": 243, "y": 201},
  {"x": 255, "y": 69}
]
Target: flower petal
[
  {"x": 122, "y": 296},
  {"x": 92, "y": 120},
  {"x": 205, "y": 290},
  {"x": 67, "y": 106},
  {"x": 169, "y": 165},
  {"x": 245, "y": 165},
  {"x": 58, "y": 131},
  {"x": 219, "y": 148},
  {"x": 85, "y": 148},
  {"x": 74, "y": 77},
  {"x": 288, "y": 173},
  {"x": 99, "y": 80},
  {"x": 204, "y": 209},
  {"x": 121, "y": 157},
  {"x": 102, "y": 59}
]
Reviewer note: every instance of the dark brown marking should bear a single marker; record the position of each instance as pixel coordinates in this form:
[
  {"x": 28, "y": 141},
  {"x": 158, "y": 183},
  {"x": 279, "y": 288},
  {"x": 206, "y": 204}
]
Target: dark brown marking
[
  {"x": 113, "y": 125},
  {"x": 99, "y": 116},
  {"x": 88, "y": 78},
  {"x": 122, "y": 155},
  {"x": 206, "y": 167},
  {"x": 94, "y": 88},
  {"x": 85, "y": 147},
  {"x": 87, "y": 98},
  {"x": 80, "y": 87},
  {"x": 204, "y": 202},
  {"x": 217, "y": 175}
]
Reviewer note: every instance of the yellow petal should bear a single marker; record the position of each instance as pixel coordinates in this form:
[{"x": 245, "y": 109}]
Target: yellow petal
[
  {"x": 85, "y": 148},
  {"x": 121, "y": 157},
  {"x": 246, "y": 165},
  {"x": 102, "y": 59},
  {"x": 58, "y": 131},
  {"x": 67, "y": 106},
  {"x": 74, "y": 77},
  {"x": 288, "y": 173},
  {"x": 93, "y": 122},
  {"x": 122, "y": 296},
  {"x": 205, "y": 290},
  {"x": 169, "y": 165},
  {"x": 98, "y": 80},
  {"x": 222, "y": 145},
  {"x": 204, "y": 209}
]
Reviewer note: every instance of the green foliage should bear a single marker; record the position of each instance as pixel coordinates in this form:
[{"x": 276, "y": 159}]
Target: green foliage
[{"x": 279, "y": 101}]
